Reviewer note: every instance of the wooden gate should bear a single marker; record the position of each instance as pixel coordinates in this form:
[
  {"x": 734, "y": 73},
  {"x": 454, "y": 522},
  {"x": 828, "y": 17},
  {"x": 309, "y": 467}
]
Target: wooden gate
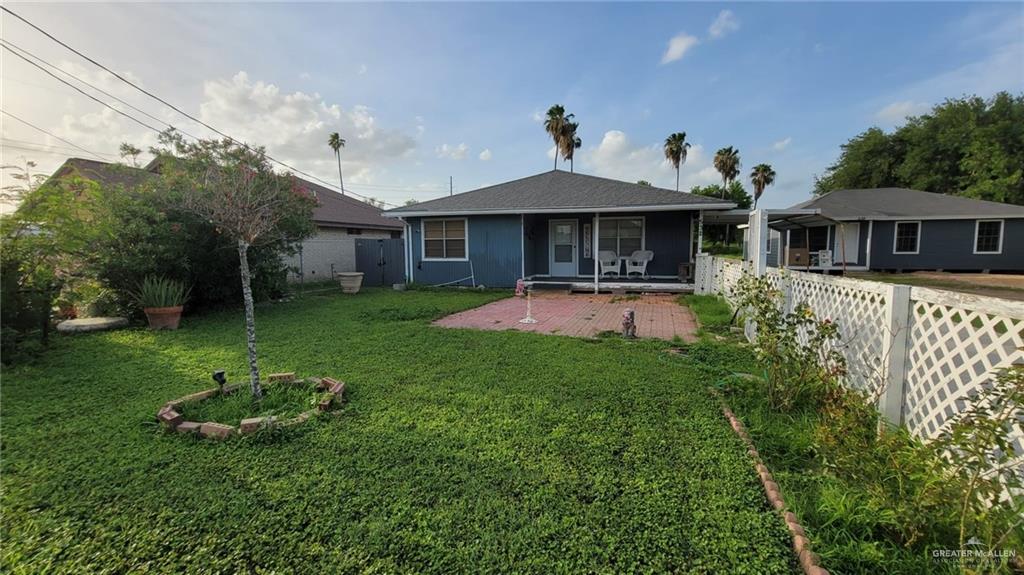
[{"x": 381, "y": 261}]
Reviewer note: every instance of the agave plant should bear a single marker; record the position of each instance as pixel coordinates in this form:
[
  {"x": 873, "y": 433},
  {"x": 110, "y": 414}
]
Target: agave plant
[{"x": 160, "y": 291}]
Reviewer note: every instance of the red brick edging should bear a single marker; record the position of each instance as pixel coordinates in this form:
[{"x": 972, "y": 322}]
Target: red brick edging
[
  {"x": 801, "y": 545},
  {"x": 169, "y": 416}
]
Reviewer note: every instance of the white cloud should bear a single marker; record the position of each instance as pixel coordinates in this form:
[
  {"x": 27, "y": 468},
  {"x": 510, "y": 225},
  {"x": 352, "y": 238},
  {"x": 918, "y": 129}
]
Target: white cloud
[
  {"x": 486, "y": 154},
  {"x": 782, "y": 144},
  {"x": 452, "y": 152},
  {"x": 723, "y": 24},
  {"x": 537, "y": 116},
  {"x": 294, "y": 127},
  {"x": 678, "y": 46},
  {"x": 362, "y": 69},
  {"x": 616, "y": 157},
  {"x": 897, "y": 111}
]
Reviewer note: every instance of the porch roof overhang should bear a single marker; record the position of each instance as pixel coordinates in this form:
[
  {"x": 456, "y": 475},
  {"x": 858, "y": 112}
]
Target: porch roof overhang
[
  {"x": 565, "y": 210},
  {"x": 778, "y": 219}
]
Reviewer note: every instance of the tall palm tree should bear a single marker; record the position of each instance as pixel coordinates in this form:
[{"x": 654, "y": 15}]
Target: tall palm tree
[
  {"x": 554, "y": 125},
  {"x": 675, "y": 151},
  {"x": 336, "y": 142},
  {"x": 727, "y": 162},
  {"x": 570, "y": 142},
  {"x": 761, "y": 177}
]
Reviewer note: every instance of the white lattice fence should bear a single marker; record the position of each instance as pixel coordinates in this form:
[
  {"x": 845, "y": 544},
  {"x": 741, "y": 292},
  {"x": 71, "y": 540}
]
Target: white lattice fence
[
  {"x": 858, "y": 307},
  {"x": 931, "y": 349},
  {"x": 957, "y": 342}
]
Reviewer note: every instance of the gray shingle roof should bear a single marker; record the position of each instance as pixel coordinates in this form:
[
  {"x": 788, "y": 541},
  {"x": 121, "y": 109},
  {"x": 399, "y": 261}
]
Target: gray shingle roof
[
  {"x": 333, "y": 209},
  {"x": 901, "y": 202},
  {"x": 556, "y": 190}
]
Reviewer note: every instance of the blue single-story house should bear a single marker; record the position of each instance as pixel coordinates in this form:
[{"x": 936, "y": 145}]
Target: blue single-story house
[
  {"x": 897, "y": 229},
  {"x": 548, "y": 229}
]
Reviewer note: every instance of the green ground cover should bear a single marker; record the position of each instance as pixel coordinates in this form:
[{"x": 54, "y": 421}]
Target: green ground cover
[{"x": 457, "y": 451}]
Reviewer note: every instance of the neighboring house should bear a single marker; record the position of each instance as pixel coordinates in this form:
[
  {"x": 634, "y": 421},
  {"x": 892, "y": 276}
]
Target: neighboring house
[
  {"x": 340, "y": 220},
  {"x": 549, "y": 228},
  {"x": 897, "y": 229}
]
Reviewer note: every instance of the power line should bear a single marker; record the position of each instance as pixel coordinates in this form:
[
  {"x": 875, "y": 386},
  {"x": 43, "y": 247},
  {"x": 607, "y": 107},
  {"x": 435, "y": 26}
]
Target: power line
[
  {"x": 81, "y": 91},
  {"x": 72, "y": 144},
  {"x": 165, "y": 102},
  {"x": 93, "y": 86}
]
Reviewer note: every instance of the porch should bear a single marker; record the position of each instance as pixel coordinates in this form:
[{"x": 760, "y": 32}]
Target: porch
[{"x": 621, "y": 285}]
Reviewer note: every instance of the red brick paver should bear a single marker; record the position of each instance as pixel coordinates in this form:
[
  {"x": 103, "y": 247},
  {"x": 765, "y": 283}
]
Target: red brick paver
[{"x": 658, "y": 316}]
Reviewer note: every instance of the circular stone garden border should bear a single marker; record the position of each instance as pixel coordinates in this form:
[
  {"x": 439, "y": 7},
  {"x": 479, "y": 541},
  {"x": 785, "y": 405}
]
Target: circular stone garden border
[{"x": 171, "y": 418}]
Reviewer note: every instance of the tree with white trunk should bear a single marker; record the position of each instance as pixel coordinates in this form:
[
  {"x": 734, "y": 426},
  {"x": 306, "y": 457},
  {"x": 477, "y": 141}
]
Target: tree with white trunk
[{"x": 236, "y": 189}]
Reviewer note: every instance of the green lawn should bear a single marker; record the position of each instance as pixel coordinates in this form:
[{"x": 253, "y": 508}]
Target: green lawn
[{"x": 458, "y": 451}]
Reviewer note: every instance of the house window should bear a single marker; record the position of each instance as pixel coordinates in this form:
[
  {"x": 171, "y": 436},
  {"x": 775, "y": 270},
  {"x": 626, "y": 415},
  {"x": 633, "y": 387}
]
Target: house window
[
  {"x": 988, "y": 236},
  {"x": 444, "y": 239},
  {"x": 355, "y": 231},
  {"x": 908, "y": 238},
  {"x": 621, "y": 235}
]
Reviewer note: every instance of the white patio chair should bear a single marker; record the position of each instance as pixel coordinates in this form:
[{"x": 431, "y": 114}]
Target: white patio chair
[
  {"x": 609, "y": 262},
  {"x": 637, "y": 263}
]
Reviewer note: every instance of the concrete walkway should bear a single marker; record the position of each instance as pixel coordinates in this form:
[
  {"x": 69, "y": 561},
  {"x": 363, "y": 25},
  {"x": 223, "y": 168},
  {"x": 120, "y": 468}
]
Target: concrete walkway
[{"x": 658, "y": 316}]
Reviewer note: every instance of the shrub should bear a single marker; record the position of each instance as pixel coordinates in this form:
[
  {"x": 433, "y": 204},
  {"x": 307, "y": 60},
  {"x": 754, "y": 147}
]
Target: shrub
[{"x": 797, "y": 350}]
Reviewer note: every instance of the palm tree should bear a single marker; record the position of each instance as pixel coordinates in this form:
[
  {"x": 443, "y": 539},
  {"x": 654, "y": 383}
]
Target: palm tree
[
  {"x": 675, "y": 152},
  {"x": 570, "y": 142},
  {"x": 336, "y": 142},
  {"x": 554, "y": 125},
  {"x": 727, "y": 162},
  {"x": 761, "y": 177}
]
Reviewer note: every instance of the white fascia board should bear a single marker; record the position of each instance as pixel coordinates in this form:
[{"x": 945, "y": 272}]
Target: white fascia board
[{"x": 600, "y": 210}]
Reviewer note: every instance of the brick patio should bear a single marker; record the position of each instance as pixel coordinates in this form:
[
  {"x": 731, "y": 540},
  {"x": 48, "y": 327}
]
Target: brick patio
[{"x": 658, "y": 316}]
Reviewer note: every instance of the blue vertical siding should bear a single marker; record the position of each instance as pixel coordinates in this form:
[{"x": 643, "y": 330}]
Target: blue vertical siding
[{"x": 494, "y": 248}]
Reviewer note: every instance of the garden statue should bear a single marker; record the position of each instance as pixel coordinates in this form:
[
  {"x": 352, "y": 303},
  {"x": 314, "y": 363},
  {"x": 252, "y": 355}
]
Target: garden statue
[
  {"x": 629, "y": 324},
  {"x": 520, "y": 287}
]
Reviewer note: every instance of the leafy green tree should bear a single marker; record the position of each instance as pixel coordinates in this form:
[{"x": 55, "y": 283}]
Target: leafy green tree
[
  {"x": 967, "y": 146},
  {"x": 643, "y": 182},
  {"x": 727, "y": 162},
  {"x": 761, "y": 177},
  {"x": 735, "y": 193},
  {"x": 675, "y": 148},
  {"x": 336, "y": 142},
  {"x": 129, "y": 151}
]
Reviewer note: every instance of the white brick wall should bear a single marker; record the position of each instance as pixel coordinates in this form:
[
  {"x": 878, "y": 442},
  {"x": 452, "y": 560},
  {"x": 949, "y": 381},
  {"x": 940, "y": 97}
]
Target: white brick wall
[{"x": 329, "y": 246}]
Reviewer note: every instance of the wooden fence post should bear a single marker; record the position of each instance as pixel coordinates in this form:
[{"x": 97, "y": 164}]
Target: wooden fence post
[{"x": 896, "y": 346}]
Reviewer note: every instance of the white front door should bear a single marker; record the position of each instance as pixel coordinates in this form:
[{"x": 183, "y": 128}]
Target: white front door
[
  {"x": 848, "y": 236},
  {"x": 562, "y": 252}
]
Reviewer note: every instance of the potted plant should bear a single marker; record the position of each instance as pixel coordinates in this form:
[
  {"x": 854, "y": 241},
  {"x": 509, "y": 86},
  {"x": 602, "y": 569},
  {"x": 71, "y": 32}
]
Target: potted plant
[
  {"x": 162, "y": 298},
  {"x": 350, "y": 281}
]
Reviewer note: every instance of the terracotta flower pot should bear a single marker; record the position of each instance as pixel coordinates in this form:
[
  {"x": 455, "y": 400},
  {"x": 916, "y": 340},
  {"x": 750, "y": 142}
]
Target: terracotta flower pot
[
  {"x": 350, "y": 281},
  {"x": 163, "y": 317}
]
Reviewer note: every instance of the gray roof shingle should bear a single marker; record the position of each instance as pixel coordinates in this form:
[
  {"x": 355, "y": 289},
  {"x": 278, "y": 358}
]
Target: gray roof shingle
[
  {"x": 556, "y": 190},
  {"x": 902, "y": 202},
  {"x": 333, "y": 209}
]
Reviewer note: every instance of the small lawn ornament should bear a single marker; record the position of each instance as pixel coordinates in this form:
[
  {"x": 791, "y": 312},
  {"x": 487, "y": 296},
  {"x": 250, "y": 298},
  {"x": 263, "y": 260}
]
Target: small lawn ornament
[
  {"x": 221, "y": 380},
  {"x": 520, "y": 288},
  {"x": 529, "y": 310},
  {"x": 629, "y": 324}
]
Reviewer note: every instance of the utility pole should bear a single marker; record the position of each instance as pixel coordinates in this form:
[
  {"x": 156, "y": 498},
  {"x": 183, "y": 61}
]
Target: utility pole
[{"x": 451, "y": 186}]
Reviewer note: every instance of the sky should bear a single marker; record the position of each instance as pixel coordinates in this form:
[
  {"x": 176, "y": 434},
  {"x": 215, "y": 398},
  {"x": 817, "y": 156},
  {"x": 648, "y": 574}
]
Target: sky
[{"x": 427, "y": 92}]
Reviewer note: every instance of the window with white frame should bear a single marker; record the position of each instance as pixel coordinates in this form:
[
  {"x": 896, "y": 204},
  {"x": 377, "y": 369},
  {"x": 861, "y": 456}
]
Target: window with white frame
[
  {"x": 444, "y": 239},
  {"x": 621, "y": 235},
  {"x": 988, "y": 236},
  {"x": 907, "y": 239}
]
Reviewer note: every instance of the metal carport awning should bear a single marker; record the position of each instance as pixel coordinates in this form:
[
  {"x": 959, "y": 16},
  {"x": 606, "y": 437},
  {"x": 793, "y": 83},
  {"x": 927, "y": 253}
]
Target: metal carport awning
[{"x": 778, "y": 219}]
